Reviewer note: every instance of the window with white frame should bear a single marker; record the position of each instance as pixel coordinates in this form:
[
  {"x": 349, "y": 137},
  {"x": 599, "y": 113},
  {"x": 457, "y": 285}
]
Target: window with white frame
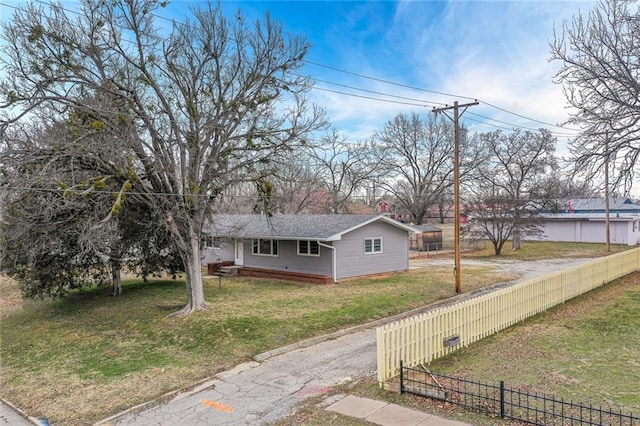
[
  {"x": 308, "y": 248},
  {"x": 262, "y": 247},
  {"x": 373, "y": 245}
]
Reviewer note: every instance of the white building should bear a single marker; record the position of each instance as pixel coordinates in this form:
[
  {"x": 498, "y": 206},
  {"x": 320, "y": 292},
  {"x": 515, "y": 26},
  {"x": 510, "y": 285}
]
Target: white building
[{"x": 590, "y": 228}]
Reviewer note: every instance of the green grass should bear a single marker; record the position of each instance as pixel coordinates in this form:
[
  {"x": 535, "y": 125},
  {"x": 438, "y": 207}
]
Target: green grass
[
  {"x": 586, "y": 350},
  {"x": 80, "y": 359},
  {"x": 531, "y": 250},
  {"x": 537, "y": 250}
]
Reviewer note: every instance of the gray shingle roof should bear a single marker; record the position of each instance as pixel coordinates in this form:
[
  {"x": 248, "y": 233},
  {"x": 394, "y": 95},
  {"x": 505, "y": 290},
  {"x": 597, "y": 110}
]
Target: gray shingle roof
[
  {"x": 292, "y": 227},
  {"x": 598, "y": 204}
]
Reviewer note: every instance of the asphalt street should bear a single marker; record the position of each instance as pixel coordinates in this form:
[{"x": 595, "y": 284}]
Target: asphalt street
[
  {"x": 258, "y": 393},
  {"x": 269, "y": 388}
]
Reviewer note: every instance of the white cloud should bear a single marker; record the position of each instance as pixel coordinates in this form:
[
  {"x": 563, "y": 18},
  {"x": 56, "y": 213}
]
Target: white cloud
[{"x": 496, "y": 52}]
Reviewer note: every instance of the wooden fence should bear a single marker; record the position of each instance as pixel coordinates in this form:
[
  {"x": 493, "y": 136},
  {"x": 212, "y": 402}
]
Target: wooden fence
[{"x": 423, "y": 338}]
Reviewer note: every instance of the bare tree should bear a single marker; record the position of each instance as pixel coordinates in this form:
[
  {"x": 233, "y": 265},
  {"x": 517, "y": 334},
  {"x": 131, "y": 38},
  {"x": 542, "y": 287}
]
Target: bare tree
[
  {"x": 514, "y": 166},
  {"x": 185, "y": 110},
  {"x": 492, "y": 217},
  {"x": 417, "y": 155},
  {"x": 343, "y": 168},
  {"x": 296, "y": 183},
  {"x": 600, "y": 74},
  {"x": 552, "y": 191}
]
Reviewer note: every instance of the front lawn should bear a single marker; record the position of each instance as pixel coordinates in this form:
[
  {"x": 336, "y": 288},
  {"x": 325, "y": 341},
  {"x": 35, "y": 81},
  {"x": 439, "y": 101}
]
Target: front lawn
[{"x": 78, "y": 360}]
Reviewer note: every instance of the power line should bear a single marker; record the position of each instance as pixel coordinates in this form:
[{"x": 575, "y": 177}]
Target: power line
[
  {"x": 527, "y": 118},
  {"x": 384, "y": 81},
  {"x": 437, "y": 93},
  {"x": 369, "y": 97},
  {"x": 558, "y": 134},
  {"x": 432, "y": 103}
]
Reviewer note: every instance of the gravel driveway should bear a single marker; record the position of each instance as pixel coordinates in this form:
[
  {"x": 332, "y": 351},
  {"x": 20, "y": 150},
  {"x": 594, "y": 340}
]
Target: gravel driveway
[{"x": 525, "y": 269}]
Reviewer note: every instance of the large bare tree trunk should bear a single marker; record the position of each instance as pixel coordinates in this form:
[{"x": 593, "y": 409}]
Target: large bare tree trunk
[
  {"x": 195, "y": 287},
  {"x": 152, "y": 130}
]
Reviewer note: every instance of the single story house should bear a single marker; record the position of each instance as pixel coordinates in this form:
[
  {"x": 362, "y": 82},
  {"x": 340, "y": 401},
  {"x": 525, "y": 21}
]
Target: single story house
[
  {"x": 336, "y": 246},
  {"x": 589, "y": 228}
]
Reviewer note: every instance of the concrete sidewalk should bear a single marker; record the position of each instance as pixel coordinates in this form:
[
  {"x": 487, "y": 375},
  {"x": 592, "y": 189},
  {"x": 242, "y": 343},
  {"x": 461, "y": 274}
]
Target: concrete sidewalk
[
  {"x": 386, "y": 414},
  {"x": 11, "y": 416}
]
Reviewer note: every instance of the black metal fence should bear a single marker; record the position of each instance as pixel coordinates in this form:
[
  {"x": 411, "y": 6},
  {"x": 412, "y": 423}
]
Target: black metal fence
[{"x": 514, "y": 404}]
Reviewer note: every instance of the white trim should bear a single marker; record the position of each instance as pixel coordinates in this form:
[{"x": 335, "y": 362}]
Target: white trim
[
  {"x": 210, "y": 242},
  {"x": 381, "y": 217},
  {"x": 308, "y": 248},
  {"x": 373, "y": 246},
  {"x": 238, "y": 252},
  {"x": 333, "y": 260}
]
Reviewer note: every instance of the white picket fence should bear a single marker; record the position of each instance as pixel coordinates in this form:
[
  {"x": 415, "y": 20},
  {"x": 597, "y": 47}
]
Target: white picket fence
[{"x": 421, "y": 339}]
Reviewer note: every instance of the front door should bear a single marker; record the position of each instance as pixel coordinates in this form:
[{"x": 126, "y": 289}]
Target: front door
[{"x": 239, "y": 257}]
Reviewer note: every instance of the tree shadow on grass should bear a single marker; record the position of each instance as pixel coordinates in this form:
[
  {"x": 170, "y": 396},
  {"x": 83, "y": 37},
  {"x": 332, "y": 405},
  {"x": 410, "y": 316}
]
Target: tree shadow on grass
[{"x": 133, "y": 292}]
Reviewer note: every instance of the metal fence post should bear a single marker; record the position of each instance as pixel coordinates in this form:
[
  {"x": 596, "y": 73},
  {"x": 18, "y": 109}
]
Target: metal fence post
[
  {"x": 401, "y": 379},
  {"x": 502, "y": 399}
]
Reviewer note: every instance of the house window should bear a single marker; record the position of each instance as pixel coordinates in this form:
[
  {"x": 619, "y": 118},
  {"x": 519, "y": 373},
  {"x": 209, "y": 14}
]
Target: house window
[
  {"x": 372, "y": 245},
  {"x": 308, "y": 248},
  {"x": 211, "y": 242},
  {"x": 263, "y": 247}
]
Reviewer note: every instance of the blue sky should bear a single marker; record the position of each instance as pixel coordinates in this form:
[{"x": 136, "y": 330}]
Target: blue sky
[{"x": 493, "y": 51}]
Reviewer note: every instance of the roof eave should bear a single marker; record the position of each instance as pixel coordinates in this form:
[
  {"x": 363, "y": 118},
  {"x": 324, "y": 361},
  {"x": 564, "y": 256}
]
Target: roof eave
[{"x": 382, "y": 217}]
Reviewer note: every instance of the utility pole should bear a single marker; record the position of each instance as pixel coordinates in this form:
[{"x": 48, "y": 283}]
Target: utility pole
[
  {"x": 607, "y": 223},
  {"x": 456, "y": 186}
]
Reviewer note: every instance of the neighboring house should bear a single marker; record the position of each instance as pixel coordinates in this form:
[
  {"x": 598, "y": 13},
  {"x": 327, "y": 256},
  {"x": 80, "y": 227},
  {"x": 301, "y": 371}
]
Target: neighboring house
[
  {"x": 589, "y": 228},
  {"x": 593, "y": 206},
  {"x": 335, "y": 246}
]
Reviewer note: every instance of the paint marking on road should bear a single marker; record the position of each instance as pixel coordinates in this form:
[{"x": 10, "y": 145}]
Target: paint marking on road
[{"x": 218, "y": 406}]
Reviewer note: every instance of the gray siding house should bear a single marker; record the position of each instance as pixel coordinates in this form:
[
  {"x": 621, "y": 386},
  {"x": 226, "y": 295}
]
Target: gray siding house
[{"x": 337, "y": 246}]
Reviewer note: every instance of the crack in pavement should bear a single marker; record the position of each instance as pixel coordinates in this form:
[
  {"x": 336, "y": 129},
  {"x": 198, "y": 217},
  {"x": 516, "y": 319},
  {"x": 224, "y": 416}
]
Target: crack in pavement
[
  {"x": 260, "y": 393},
  {"x": 271, "y": 389}
]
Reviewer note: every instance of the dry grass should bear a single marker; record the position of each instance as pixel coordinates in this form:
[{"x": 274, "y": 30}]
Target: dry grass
[
  {"x": 78, "y": 360},
  {"x": 586, "y": 350},
  {"x": 538, "y": 250},
  {"x": 10, "y": 297}
]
